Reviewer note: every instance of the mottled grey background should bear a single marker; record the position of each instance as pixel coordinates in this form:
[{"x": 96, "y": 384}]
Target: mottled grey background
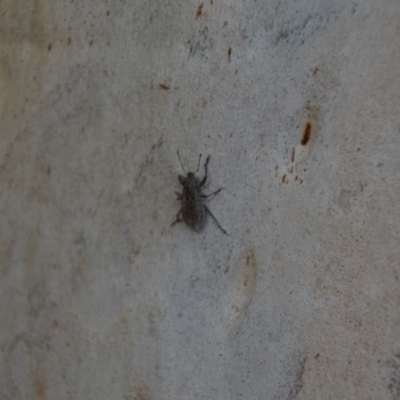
[{"x": 297, "y": 103}]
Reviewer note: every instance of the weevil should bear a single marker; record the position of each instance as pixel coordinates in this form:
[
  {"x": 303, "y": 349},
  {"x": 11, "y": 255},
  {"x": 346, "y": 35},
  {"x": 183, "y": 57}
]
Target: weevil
[{"x": 192, "y": 207}]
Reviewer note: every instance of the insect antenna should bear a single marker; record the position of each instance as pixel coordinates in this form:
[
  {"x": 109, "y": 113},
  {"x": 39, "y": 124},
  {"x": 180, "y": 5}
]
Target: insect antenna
[
  {"x": 198, "y": 165},
  {"x": 177, "y": 152}
]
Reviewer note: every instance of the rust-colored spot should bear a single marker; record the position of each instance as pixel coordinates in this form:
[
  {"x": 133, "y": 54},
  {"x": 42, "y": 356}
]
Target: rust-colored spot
[
  {"x": 108, "y": 12},
  {"x": 306, "y": 134},
  {"x": 40, "y": 388},
  {"x": 283, "y": 178},
  {"x": 49, "y": 46},
  {"x": 317, "y": 356},
  {"x": 293, "y": 154},
  {"x": 163, "y": 86},
  {"x": 297, "y": 177},
  {"x": 211, "y": 2},
  {"x": 69, "y": 40},
  {"x": 248, "y": 277},
  {"x": 199, "y": 12},
  {"x": 226, "y": 269},
  {"x": 315, "y": 72}
]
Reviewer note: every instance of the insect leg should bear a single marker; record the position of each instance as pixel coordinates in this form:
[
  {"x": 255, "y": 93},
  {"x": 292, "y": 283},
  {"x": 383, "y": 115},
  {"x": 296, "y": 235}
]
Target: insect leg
[
  {"x": 205, "y": 168},
  {"x": 204, "y": 196},
  {"x": 177, "y": 218},
  {"x": 215, "y": 219}
]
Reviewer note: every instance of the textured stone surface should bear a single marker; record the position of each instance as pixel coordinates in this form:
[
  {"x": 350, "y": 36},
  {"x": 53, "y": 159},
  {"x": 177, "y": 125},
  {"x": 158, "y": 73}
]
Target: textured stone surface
[{"x": 298, "y": 104}]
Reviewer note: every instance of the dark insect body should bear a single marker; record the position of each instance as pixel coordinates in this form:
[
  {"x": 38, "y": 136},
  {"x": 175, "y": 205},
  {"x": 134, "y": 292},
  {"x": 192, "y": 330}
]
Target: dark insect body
[{"x": 192, "y": 207}]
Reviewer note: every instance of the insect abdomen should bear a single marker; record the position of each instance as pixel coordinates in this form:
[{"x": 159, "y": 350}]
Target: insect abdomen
[{"x": 193, "y": 213}]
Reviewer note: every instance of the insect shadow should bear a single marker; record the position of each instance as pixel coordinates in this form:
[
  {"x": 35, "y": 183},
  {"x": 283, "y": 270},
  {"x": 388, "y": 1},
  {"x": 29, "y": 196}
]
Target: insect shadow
[{"x": 192, "y": 207}]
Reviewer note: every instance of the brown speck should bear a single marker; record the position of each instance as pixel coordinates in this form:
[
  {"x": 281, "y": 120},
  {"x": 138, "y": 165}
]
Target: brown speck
[
  {"x": 56, "y": 324},
  {"x": 317, "y": 356},
  {"x": 293, "y": 154},
  {"x": 306, "y": 134},
  {"x": 44, "y": 168},
  {"x": 108, "y": 43},
  {"x": 211, "y": 2},
  {"x": 79, "y": 268},
  {"x": 231, "y": 134},
  {"x": 91, "y": 42},
  {"x": 163, "y": 86},
  {"x": 245, "y": 283},
  {"x": 226, "y": 269},
  {"x": 199, "y": 12},
  {"x": 108, "y": 12},
  {"x": 283, "y": 178},
  {"x": 297, "y": 177},
  {"x": 69, "y": 40},
  {"x": 229, "y": 53},
  {"x": 315, "y": 72},
  {"x": 141, "y": 394},
  {"x": 49, "y": 46}
]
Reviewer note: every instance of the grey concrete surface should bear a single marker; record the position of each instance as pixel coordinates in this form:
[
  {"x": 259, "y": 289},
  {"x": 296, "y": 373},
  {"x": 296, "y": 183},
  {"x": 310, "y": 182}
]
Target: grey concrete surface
[{"x": 297, "y": 103}]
